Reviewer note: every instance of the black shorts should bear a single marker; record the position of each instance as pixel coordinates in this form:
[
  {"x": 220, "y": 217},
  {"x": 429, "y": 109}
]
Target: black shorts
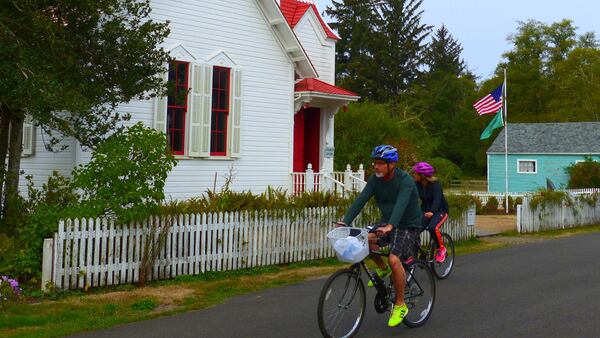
[{"x": 403, "y": 243}]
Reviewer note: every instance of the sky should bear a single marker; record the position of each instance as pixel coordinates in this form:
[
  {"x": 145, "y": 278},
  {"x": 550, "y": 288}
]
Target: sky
[{"x": 482, "y": 26}]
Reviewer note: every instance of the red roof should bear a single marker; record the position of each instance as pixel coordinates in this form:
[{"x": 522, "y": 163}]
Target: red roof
[
  {"x": 294, "y": 10},
  {"x": 316, "y": 85}
]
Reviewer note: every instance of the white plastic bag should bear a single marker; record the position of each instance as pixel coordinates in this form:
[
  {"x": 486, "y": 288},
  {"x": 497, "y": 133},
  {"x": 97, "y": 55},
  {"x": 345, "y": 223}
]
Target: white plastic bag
[{"x": 350, "y": 249}]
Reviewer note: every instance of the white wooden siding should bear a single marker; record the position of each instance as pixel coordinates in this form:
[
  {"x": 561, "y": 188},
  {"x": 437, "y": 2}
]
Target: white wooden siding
[{"x": 41, "y": 164}]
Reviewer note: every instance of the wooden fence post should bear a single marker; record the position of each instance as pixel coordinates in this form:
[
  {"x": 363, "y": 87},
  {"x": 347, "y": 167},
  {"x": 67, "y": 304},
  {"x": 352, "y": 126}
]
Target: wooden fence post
[
  {"x": 347, "y": 179},
  {"x": 47, "y": 263},
  {"x": 519, "y": 218},
  {"x": 309, "y": 179}
]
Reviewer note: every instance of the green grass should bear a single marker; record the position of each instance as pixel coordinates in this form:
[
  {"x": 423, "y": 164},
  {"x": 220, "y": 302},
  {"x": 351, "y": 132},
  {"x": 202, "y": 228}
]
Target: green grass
[
  {"x": 476, "y": 245},
  {"x": 558, "y": 232},
  {"x": 64, "y": 313}
]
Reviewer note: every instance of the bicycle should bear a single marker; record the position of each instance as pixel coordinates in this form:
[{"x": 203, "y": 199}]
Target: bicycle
[
  {"x": 427, "y": 253},
  {"x": 342, "y": 301}
]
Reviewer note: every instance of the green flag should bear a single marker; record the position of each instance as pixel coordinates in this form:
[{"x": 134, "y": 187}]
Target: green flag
[{"x": 497, "y": 122}]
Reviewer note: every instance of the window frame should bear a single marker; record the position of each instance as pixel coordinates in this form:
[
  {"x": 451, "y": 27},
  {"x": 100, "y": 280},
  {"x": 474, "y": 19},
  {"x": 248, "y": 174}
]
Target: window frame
[
  {"x": 215, "y": 112},
  {"x": 535, "y": 166},
  {"x": 184, "y": 107}
]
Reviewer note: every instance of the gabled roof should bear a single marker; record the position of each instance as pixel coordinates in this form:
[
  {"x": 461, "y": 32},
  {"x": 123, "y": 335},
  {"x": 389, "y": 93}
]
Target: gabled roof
[
  {"x": 318, "y": 86},
  {"x": 550, "y": 138},
  {"x": 294, "y": 10}
]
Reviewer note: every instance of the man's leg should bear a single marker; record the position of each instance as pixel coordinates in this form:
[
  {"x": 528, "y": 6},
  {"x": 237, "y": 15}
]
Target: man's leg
[
  {"x": 374, "y": 245},
  {"x": 399, "y": 277},
  {"x": 404, "y": 249}
]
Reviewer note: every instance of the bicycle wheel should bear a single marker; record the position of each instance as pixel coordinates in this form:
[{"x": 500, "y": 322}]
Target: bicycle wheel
[
  {"x": 419, "y": 293},
  {"x": 442, "y": 270},
  {"x": 342, "y": 304}
]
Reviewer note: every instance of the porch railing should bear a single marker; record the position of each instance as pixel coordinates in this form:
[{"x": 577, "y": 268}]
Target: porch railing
[{"x": 340, "y": 182}]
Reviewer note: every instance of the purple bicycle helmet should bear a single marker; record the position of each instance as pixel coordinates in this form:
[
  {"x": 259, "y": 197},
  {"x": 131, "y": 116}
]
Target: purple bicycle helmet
[
  {"x": 424, "y": 168},
  {"x": 386, "y": 153}
]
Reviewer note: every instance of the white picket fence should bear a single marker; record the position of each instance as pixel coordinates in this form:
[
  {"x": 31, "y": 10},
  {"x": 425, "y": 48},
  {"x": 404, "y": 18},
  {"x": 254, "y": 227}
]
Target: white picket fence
[
  {"x": 95, "y": 252},
  {"x": 583, "y": 191},
  {"x": 559, "y": 216},
  {"x": 485, "y": 196}
]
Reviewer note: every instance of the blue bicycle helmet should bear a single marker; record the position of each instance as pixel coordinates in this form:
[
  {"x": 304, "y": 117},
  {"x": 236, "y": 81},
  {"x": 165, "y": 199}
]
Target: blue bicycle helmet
[{"x": 386, "y": 153}]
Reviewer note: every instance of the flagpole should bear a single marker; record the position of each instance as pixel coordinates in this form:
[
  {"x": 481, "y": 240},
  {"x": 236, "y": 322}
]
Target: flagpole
[{"x": 504, "y": 102}]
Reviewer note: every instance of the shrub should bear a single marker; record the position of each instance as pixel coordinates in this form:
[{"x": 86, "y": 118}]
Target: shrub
[
  {"x": 445, "y": 170},
  {"x": 126, "y": 175},
  {"x": 492, "y": 204},
  {"x": 543, "y": 198},
  {"x": 21, "y": 250},
  {"x": 584, "y": 174}
]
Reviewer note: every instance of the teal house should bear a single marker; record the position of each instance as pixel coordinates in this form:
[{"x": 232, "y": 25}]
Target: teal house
[{"x": 537, "y": 151}]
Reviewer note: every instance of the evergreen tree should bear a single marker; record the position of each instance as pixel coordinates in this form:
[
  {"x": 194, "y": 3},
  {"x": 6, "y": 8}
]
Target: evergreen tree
[
  {"x": 356, "y": 68},
  {"x": 381, "y": 48},
  {"x": 401, "y": 46},
  {"x": 443, "y": 53},
  {"x": 443, "y": 95}
]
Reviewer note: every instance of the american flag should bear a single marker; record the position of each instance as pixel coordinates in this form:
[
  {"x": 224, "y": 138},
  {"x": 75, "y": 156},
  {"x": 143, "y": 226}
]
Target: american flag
[{"x": 491, "y": 103}]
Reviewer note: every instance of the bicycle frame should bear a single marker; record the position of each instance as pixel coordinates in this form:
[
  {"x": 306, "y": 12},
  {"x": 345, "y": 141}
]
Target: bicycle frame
[{"x": 378, "y": 283}]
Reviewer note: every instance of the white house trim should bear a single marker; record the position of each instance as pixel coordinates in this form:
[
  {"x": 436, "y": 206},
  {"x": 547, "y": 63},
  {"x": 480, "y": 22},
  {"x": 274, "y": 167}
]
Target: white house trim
[
  {"x": 221, "y": 59},
  {"x": 180, "y": 53},
  {"x": 288, "y": 39},
  {"x": 527, "y": 172}
]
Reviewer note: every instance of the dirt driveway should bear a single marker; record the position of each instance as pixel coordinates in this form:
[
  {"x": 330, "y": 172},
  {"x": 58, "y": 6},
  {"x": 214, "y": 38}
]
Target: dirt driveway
[{"x": 486, "y": 225}]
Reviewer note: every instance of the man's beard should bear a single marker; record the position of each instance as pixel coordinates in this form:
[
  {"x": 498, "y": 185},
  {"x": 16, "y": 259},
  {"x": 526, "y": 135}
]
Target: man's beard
[{"x": 379, "y": 175}]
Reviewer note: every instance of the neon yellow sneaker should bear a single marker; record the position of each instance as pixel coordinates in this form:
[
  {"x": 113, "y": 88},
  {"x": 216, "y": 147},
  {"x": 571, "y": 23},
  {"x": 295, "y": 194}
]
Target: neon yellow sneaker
[
  {"x": 381, "y": 273},
  {"x": 397, "y": 315}
]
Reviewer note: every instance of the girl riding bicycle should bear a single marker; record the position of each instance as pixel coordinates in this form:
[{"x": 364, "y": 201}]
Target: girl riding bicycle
[{"x": 434, "y": 205}]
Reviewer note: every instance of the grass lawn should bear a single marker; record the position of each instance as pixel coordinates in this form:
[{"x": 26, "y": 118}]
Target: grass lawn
[{"x": 65, "y": 313}]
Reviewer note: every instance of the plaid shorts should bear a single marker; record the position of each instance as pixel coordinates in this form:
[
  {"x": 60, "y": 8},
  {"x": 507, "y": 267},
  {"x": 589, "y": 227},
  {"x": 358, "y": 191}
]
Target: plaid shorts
[{"x": 403, "y": 243}]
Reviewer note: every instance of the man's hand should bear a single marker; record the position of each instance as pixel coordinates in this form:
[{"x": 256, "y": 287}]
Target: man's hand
[
  {"x": 340, "y": 224},
  {"x": 384, "y": 230},
  {"x": 429, "y": 214}
]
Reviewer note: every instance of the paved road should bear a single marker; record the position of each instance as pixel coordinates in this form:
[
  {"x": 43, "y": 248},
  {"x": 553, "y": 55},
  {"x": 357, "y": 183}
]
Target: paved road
[{"x": 546, "y": 289}]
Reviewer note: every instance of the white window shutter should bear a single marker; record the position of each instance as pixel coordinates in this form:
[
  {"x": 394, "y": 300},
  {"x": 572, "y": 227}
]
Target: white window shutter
[
  {"x": 235, "y": 134},
  {"x": 28, "y": 136},
  {"x": 160, "y": 109},
  {"x": 206, "y": 110},
  {"x": 200, "y": 104},
  {"x": 195, "y": 111}
]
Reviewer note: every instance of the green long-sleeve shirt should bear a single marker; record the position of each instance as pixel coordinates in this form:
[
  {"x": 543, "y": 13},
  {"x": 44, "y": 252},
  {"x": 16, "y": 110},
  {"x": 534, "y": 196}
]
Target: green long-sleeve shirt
[{"x": 397, "y": 200}]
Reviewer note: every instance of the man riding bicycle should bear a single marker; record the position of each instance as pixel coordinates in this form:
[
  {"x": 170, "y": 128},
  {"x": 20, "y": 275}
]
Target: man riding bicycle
[{"x": 396, "y": 196}]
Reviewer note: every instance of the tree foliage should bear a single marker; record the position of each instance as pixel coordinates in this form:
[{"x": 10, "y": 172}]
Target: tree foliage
[
  {"x": 367, "y": 124},
  {"x": 68, "y": 65},
  {"x": 127, "y": 173},
  {"x": 584, "y": 174},
  {"x": 552, "y": 74},
  {"x": 381, "y": 48}
]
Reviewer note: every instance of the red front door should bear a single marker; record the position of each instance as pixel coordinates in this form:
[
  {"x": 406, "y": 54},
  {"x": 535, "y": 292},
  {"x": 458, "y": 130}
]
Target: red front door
[{"x": 307, "y": 126}]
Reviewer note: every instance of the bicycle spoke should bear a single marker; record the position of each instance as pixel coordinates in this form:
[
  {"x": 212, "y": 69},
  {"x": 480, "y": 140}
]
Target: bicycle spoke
[{"x": 339, "y": 322}]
